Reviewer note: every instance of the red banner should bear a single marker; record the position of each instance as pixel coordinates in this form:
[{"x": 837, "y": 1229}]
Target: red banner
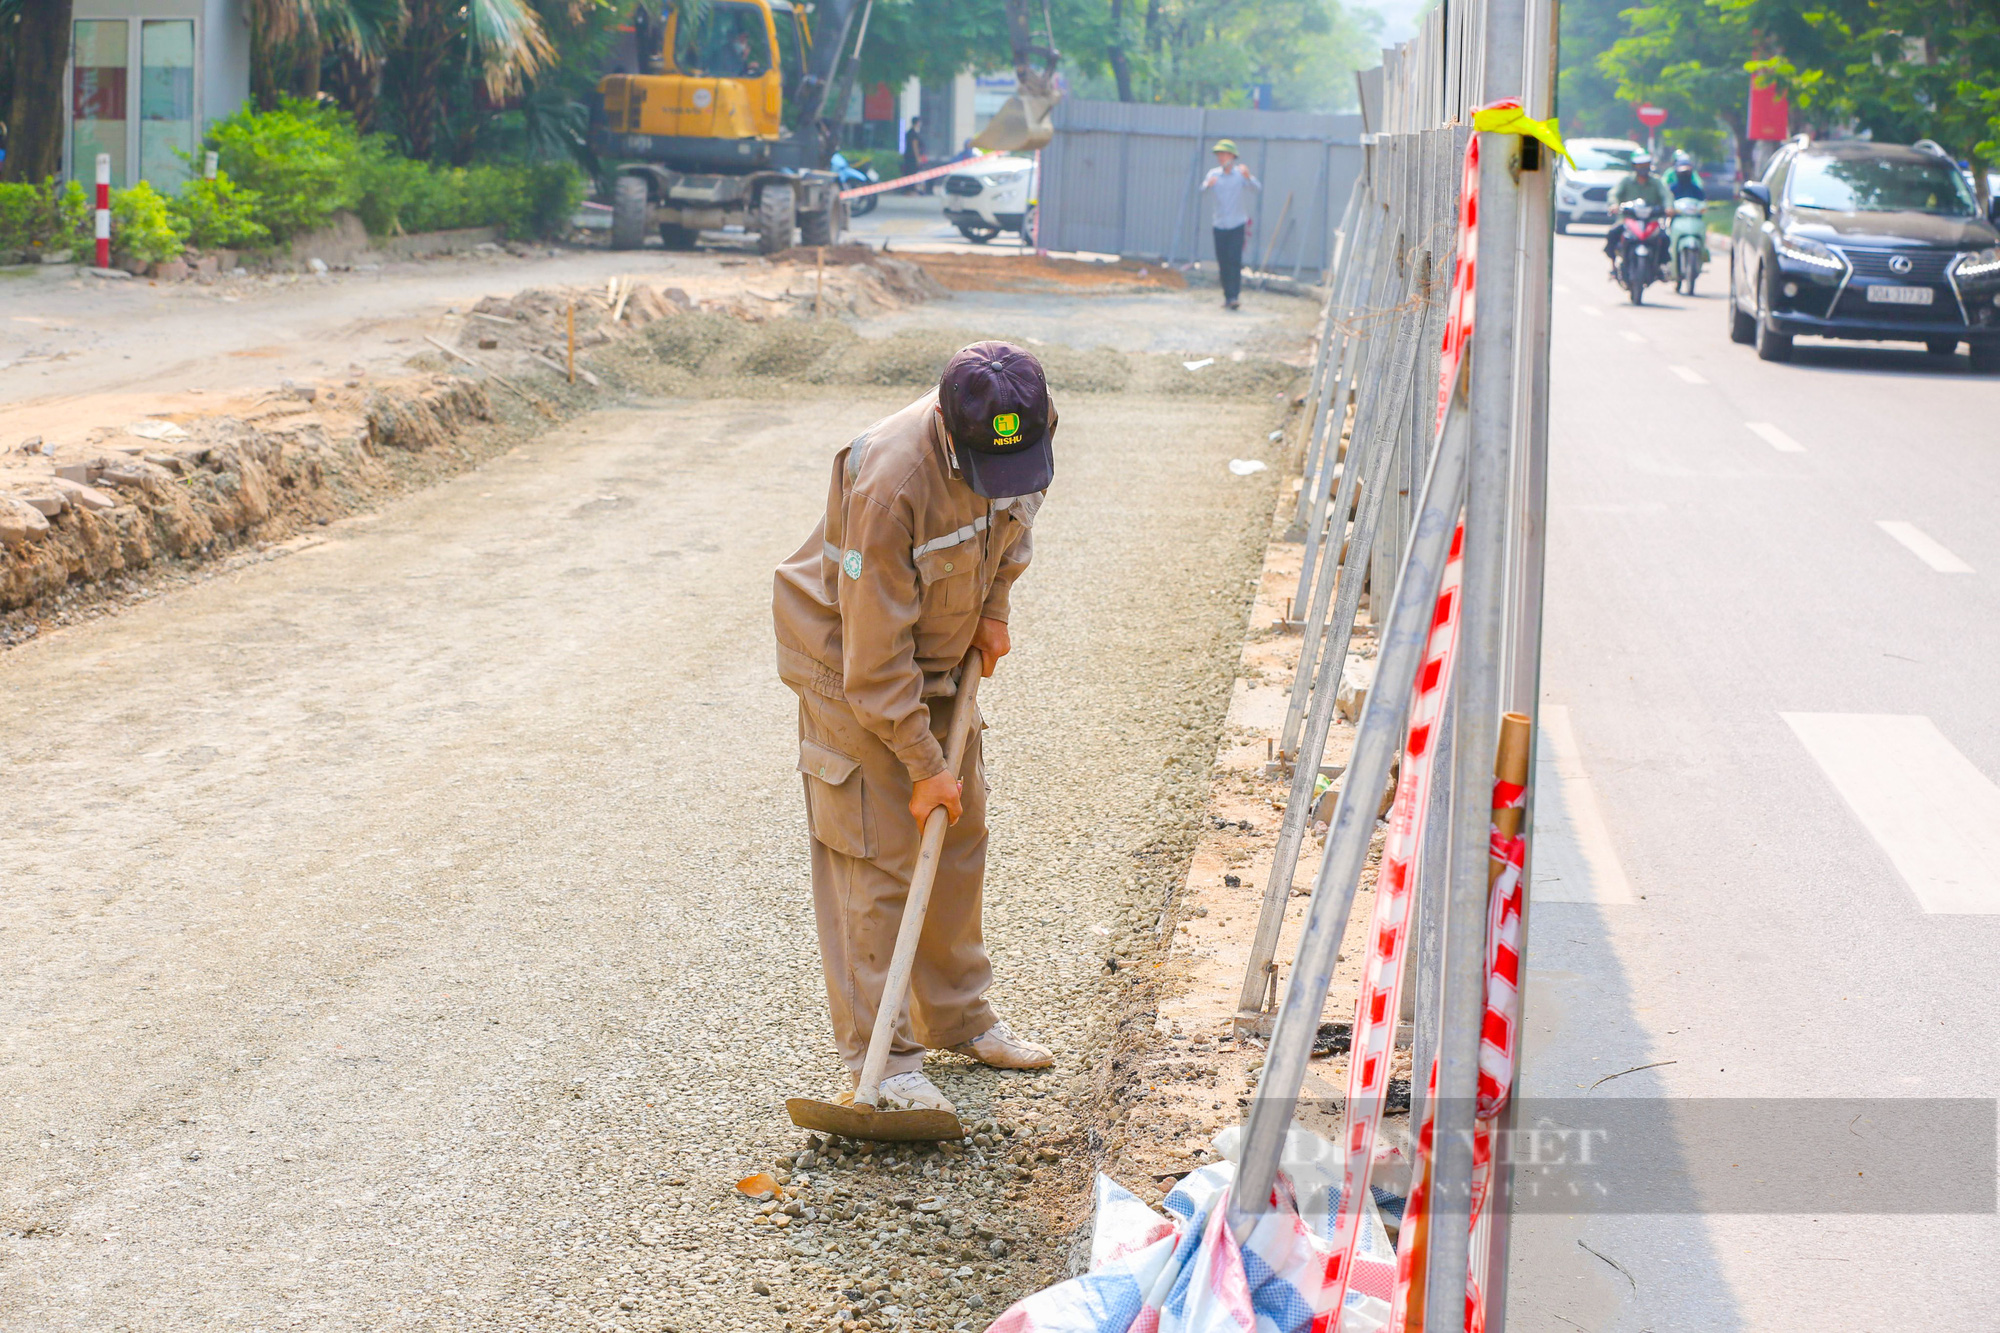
[{"x": 1770, "y": 114}]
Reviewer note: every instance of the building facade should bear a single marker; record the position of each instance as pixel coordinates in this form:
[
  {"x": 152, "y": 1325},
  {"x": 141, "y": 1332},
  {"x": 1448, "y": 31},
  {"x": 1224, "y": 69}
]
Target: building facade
[{"x": 145, "y": 79}]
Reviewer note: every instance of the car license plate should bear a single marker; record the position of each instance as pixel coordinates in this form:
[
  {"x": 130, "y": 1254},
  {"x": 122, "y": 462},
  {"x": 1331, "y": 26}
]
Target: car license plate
[{"x": 1882, "y": 295}]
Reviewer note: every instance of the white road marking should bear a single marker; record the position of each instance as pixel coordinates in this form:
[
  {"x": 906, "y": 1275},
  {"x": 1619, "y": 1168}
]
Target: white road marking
[
  {"x": 1934, "y": 814},
  {"x": 1687, "y": 374},
  {"x": 1574, "y": 860},
  {"x": 1562, "y": 289},
  {"x": 1774, "y": 437},
  {"x": 1631, "y": 337},
  {"x": 1590, "y": 310},
  {"x": 1925, "y": 548}
]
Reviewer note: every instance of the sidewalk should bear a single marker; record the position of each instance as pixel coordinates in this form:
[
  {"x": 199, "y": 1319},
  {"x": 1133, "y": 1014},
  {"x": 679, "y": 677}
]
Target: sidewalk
[{"x": 1185, "y": 1075}]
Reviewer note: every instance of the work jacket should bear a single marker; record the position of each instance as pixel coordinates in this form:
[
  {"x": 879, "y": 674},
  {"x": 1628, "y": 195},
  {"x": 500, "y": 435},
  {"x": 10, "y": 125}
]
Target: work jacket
[
  {"x": 1652, "y": 190},
  {"x": 878, "y": 608}
]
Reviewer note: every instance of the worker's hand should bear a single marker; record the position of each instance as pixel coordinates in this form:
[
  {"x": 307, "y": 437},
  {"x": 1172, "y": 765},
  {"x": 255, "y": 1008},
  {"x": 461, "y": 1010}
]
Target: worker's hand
[
  {"x": 939, "y": 789},
  {"x": 990, "y": 638}
]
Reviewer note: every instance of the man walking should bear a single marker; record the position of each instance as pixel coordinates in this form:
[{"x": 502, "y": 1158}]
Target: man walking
[
  {"x": 914, "y": 158},
  {"x": 1231, "y": 183},
  {"x": 928, "y": 519}
]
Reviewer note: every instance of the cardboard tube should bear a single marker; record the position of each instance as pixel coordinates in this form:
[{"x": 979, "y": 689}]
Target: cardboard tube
[{"x": 1510, "y": 766}]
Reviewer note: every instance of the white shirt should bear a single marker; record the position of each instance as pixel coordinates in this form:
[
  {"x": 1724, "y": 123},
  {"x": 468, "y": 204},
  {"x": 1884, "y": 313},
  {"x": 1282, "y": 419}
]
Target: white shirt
[{"x": 1231, "y": 206}]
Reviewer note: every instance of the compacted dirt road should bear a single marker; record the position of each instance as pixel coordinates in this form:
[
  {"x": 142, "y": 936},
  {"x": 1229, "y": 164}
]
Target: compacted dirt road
[{"x": 414, "y": 932}]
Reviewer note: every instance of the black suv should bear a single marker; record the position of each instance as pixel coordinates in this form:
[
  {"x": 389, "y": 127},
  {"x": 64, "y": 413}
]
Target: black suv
[{"x": 1869, "y": 241}]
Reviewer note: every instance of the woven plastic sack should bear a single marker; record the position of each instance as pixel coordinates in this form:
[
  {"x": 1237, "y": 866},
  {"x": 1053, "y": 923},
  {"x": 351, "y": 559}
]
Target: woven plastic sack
[{"x": 1182, "y": 1271}]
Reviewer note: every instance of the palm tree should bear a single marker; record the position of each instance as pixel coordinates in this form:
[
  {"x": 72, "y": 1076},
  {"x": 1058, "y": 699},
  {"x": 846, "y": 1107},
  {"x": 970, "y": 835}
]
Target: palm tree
[
  {"x": 502, "y": 42},
  {"x": 424, "y": 49}
]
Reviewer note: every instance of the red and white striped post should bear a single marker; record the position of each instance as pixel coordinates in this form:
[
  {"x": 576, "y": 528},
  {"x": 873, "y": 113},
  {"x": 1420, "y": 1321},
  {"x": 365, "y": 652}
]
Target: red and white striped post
[{"x": 104, "y": 210}]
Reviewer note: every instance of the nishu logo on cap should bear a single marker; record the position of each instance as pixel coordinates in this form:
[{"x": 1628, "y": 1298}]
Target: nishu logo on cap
[{"x": 1006, "y": 430}]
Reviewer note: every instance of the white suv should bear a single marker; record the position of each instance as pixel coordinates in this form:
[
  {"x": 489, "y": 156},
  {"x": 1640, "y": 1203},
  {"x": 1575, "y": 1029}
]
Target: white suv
[
  {"x": 985, "y": 196},
  {"x": 1583, "y": 192}
]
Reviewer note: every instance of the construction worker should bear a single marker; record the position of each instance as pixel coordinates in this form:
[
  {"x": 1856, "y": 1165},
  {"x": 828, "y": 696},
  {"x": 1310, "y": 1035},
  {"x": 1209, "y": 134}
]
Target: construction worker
[
  {"x": 927, "y": 525},
  {"x": 1231, "y": 182}
]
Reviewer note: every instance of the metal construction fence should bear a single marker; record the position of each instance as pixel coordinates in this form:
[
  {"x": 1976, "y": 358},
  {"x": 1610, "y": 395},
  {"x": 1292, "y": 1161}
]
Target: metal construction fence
[
  {"x": 1438, "y": 496},
  {"x": 1124, "y": 178}
]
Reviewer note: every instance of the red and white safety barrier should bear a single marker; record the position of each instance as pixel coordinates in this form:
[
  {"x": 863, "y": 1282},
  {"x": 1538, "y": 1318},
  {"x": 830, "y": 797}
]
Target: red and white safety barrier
[{"x": 104, "y": 210}]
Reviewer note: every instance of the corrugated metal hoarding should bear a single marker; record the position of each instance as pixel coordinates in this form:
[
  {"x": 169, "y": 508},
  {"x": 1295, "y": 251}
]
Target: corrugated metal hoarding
[{"x": 1124, "y": 178}]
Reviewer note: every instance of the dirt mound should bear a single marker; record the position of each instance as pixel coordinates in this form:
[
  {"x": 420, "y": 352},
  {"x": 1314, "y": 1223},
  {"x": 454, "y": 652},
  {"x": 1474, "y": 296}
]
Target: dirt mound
[
  {"x": 227, "y": 480},
  {"x": 706, "y": 354},
  {"x": 1033, "y": 273}
]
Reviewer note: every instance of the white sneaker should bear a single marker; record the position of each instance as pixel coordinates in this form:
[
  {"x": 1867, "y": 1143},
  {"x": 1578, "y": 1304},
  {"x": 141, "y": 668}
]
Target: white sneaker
[
  {"x": 912, "y": 1092},
  {"x": 1003, "y": 1050}
]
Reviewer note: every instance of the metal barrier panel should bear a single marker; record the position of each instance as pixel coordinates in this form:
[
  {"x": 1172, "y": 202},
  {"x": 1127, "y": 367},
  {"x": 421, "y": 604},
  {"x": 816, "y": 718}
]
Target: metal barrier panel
[
  {"x": 1124, "y": 178},
  {"x": 1410, "y": 476}
]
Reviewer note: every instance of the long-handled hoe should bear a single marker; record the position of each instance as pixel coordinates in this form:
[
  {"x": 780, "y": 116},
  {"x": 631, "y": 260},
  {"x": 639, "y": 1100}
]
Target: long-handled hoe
[{"x": 865, "y": 1119}]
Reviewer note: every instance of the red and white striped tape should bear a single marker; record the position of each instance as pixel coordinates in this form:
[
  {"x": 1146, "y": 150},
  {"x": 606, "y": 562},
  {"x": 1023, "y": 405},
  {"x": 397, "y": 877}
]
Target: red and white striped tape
[
  {"x": 928, "y": 173},
  {"x": 1381, "y": 988},
  {"x": 104, "y": 210},
  {"x": 1375, "y": 1011},
  {"x": 1498, "y": 1035}
]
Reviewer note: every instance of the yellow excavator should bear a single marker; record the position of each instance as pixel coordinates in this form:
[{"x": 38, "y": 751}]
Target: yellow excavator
[{"x": 696, "y": 135}]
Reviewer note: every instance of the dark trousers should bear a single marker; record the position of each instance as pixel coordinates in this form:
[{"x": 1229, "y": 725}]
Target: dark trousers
[{"x": 1229, "y": 259}]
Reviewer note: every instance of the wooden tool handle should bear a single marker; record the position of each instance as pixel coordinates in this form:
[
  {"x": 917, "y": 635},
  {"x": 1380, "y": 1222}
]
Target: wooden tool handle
[{"x": 897, "y": 982}]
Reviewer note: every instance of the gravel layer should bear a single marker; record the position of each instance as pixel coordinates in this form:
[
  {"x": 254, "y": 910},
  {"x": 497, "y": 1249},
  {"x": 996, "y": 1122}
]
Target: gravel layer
[{"x": 414, "y": 932}]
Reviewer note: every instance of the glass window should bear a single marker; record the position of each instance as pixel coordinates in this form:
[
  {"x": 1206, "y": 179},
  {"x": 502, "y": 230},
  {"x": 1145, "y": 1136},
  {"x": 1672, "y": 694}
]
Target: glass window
[
  {"x": 1774, "y": 179},
  {"x": 166, "y": 102},
  {"x": 97, "y": 98},
  {"x": 728, "y": 42},
  {"x": 1882, "y": 185},
  {"x": 1604, "y": 157}
]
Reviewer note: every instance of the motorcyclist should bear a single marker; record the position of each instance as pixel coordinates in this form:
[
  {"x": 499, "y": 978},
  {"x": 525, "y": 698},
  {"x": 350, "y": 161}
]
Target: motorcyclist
[
  {"x": 1640, "y": 184},
  {"x": 1684, "y": 182}
]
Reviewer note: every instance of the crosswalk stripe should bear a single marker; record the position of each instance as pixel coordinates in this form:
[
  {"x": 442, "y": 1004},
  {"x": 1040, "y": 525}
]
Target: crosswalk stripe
[
  {"x": 1923, "y": 546},
  {"x": 1932, "y": 812}
]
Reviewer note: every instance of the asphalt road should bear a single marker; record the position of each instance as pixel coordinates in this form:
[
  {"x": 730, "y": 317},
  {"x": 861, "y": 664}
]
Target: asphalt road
[{"x": 1783, "y": 714}]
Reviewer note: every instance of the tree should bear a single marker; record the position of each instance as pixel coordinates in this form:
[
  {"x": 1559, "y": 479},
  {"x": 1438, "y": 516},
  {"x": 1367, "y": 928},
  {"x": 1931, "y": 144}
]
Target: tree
[
  {"x": 39, "y": 39},
  {"x": 1691, "y": 57},
  {"x": 1121, "y": 65},
  {"x": 1901, "y": 70},
  {"x": 1587, "y": 96},
  {"x": 1191, "y": 52}
]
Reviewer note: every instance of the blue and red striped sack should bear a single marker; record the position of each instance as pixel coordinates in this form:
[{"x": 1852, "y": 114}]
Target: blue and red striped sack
[{"x": 1182, "y": 1271}]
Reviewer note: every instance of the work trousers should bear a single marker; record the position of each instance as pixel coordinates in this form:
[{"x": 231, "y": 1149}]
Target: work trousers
[
  {"x": 1229, "y": 259},
  {"x": 864, "y": 850}
]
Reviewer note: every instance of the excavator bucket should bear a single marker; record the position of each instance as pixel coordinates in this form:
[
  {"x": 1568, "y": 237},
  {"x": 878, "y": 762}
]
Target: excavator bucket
[{"x": 1023, "y": 123}]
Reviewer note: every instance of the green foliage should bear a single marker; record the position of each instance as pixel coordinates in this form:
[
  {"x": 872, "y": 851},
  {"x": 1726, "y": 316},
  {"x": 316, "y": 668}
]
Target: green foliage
[
  {"x": 1691, "y": 57},
  {"x": 1587, "y": 96},
  {"x": 143, "y": 224},
  {"x": 306, "y": 162},
  {"x": 1192, "y": 52},
  {"x": 219, "y": 212},
  {"x": 522, "y": 200},
  {"x": 1903, "y": 70},
  {"x": 298, "y": 159},
  {"x": 46, "y": 216}
]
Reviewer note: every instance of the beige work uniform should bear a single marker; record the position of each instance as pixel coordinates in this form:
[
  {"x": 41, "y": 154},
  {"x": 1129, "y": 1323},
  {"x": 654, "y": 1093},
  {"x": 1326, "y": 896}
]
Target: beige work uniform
[{"x": 874, "y": 614}]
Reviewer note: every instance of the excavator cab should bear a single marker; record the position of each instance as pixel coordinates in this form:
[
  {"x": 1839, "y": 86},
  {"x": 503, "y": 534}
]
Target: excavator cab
[
  {"x": 713, "y": 75},
  {"x": 699, "y": 132}
]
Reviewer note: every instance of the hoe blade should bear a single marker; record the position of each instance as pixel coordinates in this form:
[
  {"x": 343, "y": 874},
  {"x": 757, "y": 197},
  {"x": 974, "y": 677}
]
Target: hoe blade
[{"x": 865, "y": 1122}]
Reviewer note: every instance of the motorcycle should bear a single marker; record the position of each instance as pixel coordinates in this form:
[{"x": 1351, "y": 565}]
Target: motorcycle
[
  {"x": 851, "y": 176},
  {"x": 1639, "y": 248},
  {"x": 1687, "y": 232}
]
